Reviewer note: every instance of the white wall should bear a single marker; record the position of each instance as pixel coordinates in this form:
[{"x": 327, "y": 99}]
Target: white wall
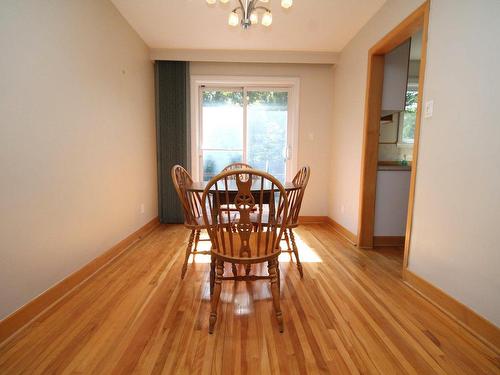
[
  {"x": 454, "y": 243},
  {"x": 77, "y": 140},
  {"x": 457, "y": 206},
  {"x": 316, "y": 95}
]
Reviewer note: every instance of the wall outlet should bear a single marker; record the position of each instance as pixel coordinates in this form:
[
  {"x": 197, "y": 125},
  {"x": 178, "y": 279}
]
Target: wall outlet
[
  {"x": 429, "y": 108},
  {"x": 142, "y": 208}
]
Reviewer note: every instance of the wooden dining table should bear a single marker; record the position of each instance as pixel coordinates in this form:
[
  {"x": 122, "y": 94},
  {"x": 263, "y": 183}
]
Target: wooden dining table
[
  {"x": 227, "y": 192},
  {"x": 199, "y": 186}
]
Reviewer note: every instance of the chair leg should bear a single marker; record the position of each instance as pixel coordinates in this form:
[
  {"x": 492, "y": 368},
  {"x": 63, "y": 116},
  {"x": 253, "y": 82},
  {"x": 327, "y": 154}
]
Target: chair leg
[
  {"x": 278, "y": 273},
  {"x": 214, "y": 299},
  {"x": 296, "y": 252},
  {"x": 287, "y": 240},
  {"x": 275, "y": 290},
  {"x": 188, "y": 253},
  {"x": 197, "y": 239},
  {"x": 212, "y": 274},
  {"x": 235, "y": 270}
]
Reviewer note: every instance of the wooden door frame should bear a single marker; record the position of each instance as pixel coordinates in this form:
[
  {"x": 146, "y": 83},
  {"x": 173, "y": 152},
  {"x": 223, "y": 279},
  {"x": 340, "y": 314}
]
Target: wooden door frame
[{"x": 419, "y": 19}]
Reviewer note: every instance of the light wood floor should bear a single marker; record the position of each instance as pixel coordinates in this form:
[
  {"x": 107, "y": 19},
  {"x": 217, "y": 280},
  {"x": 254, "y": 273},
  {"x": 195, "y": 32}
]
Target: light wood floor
[{"x": 350, "y": 314}]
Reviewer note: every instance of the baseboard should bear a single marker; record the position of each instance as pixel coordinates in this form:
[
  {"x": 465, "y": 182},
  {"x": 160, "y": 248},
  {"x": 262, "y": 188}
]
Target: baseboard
[
  {"x": 389, "y": 241},
  {"x": 484, "y": 330},
  {"x": 312, "y": 219},
  {"x": 19, "y": 318},
  {"x": 344, "y": 232}
]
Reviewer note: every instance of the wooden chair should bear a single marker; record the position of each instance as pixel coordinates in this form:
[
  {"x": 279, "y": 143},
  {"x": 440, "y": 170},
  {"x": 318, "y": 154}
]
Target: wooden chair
[
  {"x": 231, "y": 207},
  {"x": 252, "y": 242},
  {"x": 294, "y": 203},
  {"x": 191, "y": 206},
  {"x": 238, "y": 165}
]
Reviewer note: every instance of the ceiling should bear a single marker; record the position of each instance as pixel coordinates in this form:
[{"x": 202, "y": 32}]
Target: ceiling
[{"x": 309, "y": 25}]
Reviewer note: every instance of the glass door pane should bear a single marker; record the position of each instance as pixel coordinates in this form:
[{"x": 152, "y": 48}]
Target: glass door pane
[
  {"x": 214, "y": 161},
  {"x": 267, "y": 125},
  {"x": 222, "y": 129}
]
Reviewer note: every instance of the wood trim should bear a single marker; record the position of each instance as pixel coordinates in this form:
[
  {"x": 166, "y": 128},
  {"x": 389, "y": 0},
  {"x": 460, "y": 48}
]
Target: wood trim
[
  {"x": 375, "y": 82},
  {"x": 21, "y": 317},
  {"x": 417, "y": 19},
  {"x": 312, "y": 219},
  {"x": 343, "y": 231},
  {"x": 404, "y": 30},
  {"x": 416, "y": 144},
  {"x": 484, "y": 330},
  {"x": 392, "y": 241}
]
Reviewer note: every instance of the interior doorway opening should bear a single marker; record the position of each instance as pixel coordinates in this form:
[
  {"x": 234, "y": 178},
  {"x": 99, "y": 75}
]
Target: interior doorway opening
[{"x": 401, "y": 107}]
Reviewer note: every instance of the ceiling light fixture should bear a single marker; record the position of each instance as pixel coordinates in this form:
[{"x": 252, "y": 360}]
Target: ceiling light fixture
[{"x": 247, "y": 12}]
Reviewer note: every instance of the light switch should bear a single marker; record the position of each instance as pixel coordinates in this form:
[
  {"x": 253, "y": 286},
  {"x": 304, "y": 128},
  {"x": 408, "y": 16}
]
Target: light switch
[{"x": 429, "y": 108}]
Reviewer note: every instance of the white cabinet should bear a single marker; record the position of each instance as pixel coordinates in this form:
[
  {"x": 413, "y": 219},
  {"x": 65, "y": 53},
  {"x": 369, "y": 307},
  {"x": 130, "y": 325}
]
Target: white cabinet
[
  {"x": 391, "y": 203},
  {"x": 395, "y": 79}
]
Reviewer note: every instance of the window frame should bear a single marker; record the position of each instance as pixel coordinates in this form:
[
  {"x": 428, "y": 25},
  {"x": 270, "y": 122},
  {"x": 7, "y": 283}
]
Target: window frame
[
  {"x": 400, "y": 143},
  {"x": 401, "y": 120},
  {"x": 246, "y": 83}
]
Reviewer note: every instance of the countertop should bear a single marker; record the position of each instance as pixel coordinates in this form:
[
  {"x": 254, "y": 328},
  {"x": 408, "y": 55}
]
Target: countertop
[{"x": 393, "y": 166}]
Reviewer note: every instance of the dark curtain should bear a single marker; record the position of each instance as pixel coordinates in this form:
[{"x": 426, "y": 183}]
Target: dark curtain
[{"x": 172, "y": 133}]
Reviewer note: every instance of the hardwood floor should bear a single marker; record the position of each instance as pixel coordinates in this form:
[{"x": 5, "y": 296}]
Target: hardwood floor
[{"x": 351, "y": 313}]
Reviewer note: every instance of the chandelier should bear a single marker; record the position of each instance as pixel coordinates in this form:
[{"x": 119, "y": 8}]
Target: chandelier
[{"x": 247, "y": 12}]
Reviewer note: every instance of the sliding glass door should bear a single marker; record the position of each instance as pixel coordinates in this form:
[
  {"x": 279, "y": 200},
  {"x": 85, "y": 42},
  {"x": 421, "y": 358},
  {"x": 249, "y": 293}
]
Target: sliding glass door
[
  {"x": 247, "y": 125},
  {"x": 222, "y": 130}
]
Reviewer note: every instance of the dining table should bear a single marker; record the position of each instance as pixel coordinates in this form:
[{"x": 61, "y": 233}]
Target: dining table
[
  {"x": 232, "y": 188},
  {"x": 227, "y": 190}
]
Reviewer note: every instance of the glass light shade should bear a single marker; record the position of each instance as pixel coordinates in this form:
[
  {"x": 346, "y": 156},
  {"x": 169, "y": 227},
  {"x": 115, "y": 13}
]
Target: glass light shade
[
  {"x": 211, "y": 2},
  {"x": 267, "y": 19},
  {"x": 233, "y": 19},
  {"x": 264, "y": 1},
  {"x": 224, "y": 1},
  {"x": 286, "y": 3},
  {"x": 254, "y": 18}
]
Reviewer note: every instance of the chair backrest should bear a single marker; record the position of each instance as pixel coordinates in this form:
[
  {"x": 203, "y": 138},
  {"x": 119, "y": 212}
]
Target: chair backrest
[
  {"x": 295, "y": 196},
  {"x": 238, "y": 165},
  {"x": 190, "y": 200},
  {"x": 247, "y": 233},
  {"x": 234, "y": 166}
]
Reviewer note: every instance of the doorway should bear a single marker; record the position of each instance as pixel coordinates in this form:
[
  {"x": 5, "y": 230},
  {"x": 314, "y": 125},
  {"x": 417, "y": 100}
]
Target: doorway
[
  {"x": 244, "y": 119},
  {"x": 416, "y": 22}
]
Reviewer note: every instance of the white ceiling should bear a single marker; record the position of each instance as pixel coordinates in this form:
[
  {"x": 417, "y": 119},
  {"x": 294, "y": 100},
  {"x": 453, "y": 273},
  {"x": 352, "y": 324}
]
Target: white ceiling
[{"x": 310, "y": 25}]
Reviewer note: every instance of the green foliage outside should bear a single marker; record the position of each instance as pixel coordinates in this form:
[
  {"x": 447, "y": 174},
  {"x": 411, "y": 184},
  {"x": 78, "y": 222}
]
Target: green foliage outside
[
  {"x": 268, "y": 98},
  {"x": 222, "y": 97},
  {"x": 410, "y": 117}
]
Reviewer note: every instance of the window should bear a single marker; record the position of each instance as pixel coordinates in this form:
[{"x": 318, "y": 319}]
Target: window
[
  {"x": 251, "y": 123},
  {"x": 408, "y": 119}
]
